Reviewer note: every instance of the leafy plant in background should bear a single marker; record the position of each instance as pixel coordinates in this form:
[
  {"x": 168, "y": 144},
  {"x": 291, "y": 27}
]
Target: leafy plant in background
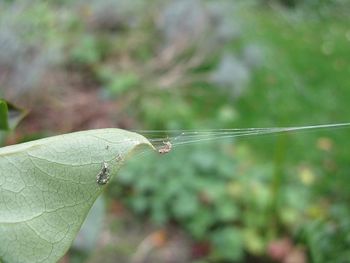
[
  {"x": 27, "y": 37},
  {"x": 10, "y": 116},
  {"x": 328, "y": 238},
  {"x": 220, "y": 198},
  {"x": 160, "y": 50}
]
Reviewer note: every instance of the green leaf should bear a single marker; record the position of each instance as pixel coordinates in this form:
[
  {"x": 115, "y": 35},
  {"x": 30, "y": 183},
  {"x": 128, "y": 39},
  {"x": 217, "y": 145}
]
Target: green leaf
[
  {"x": 3, "y": 116},
  {"x": 228, "y": 244},
  {"x": 122, "y": 82},
  {"x": 48, "y": 186},
  {"x": 10, "y": 115}
]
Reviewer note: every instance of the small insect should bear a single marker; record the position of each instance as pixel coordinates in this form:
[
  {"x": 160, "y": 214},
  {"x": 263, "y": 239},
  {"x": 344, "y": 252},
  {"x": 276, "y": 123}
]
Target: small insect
[
  {"x": 107, "y": 147},
  {"x": 165, "y": 148},
  {"x": 103, "y": 176}
]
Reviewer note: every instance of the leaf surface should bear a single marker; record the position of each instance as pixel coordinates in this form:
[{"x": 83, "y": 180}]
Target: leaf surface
[{"x": 48, "y": 186}]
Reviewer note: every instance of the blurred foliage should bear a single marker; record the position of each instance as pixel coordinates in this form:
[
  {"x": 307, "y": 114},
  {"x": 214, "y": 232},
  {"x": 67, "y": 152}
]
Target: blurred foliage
[
  {"x": 10, "y": 116},
  {"x": 4, "y": 125},
  {"x": 218, "y": 194},
  {"x": 196, "y": 195},
  {"x": 192, "y": 64}
]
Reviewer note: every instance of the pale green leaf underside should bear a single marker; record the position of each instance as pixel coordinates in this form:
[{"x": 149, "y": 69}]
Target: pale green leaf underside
[{"x": 48, "y": 186}]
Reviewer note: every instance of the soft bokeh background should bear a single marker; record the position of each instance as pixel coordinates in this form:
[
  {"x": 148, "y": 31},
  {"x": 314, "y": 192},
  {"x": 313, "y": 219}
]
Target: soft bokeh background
[{"x": 196, "y": 64}]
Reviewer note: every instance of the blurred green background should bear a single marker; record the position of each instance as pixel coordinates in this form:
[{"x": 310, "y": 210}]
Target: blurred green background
[{"x": 195, "y": 64}]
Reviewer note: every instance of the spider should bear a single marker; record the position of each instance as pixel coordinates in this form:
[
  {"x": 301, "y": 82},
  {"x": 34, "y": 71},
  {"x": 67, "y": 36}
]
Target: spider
[
  {"x": 165, "y": 148},
  {"x": 103, "y": 176}
]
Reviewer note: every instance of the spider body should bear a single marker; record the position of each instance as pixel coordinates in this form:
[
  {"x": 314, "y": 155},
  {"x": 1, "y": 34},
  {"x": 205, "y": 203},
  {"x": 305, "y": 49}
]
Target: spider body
[
  {"x": 103, "y": 176},
  {"x": 165, "y": 148}
]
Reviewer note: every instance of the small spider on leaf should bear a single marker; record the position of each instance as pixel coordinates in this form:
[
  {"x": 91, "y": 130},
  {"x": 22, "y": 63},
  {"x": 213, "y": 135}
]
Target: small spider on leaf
[{"x": 103, "y": 176}]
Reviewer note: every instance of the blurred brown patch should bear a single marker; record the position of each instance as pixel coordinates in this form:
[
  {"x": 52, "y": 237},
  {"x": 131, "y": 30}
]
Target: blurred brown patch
[
  {"x": 284, "y": 251},
  {"x": 325, "y": 144},
  {"x": 117, "y": 208},
  {"x": 200, "y": 249},
  {"x": 279, "y": 249},
  {"x": 67, "y": 102}
]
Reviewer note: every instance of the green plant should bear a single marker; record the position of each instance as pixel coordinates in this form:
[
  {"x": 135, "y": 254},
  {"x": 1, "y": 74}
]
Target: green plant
[
  {"x": 10, "y": 116},
  {"x": 328, "y": 239},
  {"x": 49, "y": 185},
  {"x": 219, "y": 194},
  {"x": 116, "y": 84}
]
